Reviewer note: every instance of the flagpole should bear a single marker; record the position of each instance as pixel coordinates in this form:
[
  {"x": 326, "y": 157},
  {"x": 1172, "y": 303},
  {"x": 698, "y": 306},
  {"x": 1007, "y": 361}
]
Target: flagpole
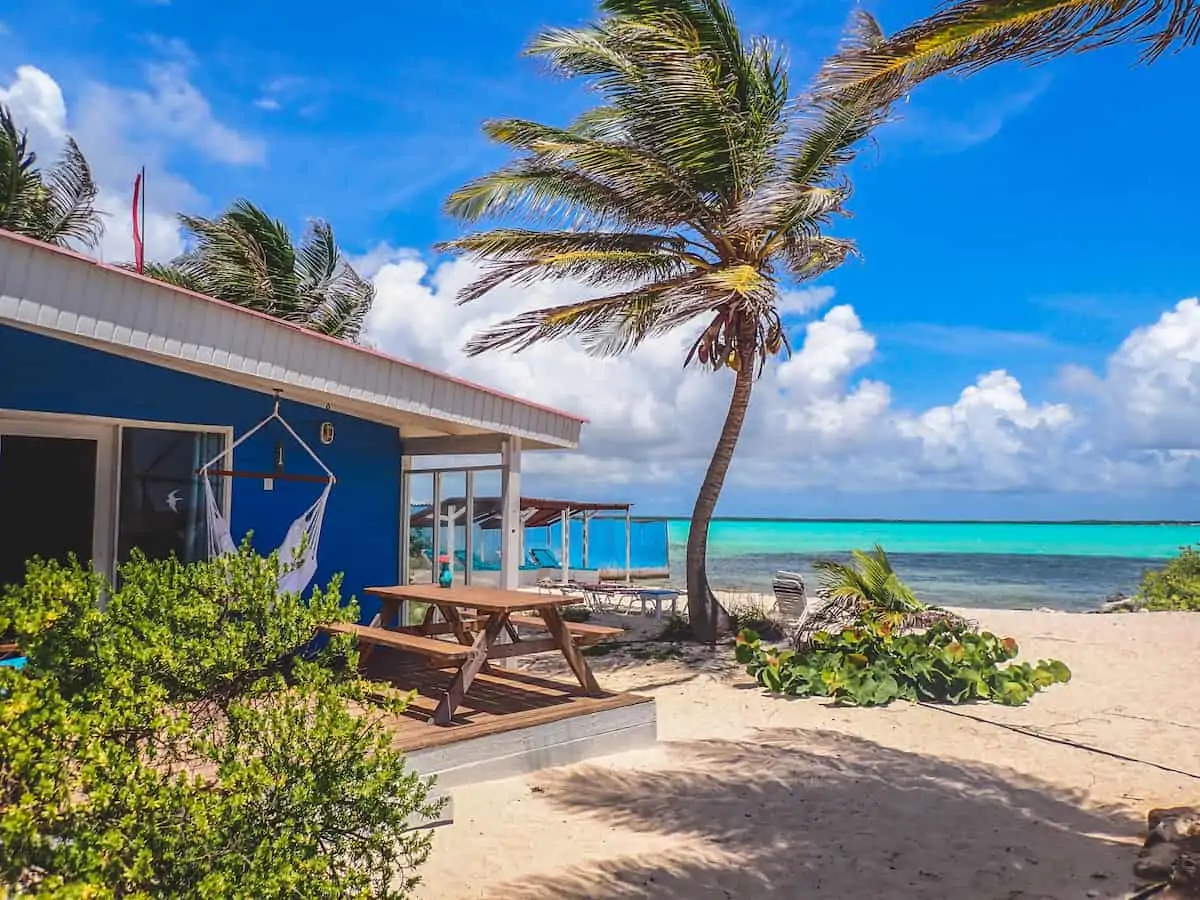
[{"x": 143, "y": 223}]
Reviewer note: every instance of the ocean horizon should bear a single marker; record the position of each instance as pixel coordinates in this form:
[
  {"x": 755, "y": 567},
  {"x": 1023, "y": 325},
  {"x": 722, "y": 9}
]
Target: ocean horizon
[{"x": 1071, "y": 565}]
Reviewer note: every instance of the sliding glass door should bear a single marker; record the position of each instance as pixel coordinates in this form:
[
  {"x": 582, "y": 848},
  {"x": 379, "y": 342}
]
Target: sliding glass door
[
  {"x": 56, "y": 492},
  {"x": 162, "y": 506},
  {"x": 99, "y": 488}
]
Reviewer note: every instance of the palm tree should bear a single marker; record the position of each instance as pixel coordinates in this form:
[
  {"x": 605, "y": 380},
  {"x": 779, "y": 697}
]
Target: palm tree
[
  {"x": 968, "y": 35},
  {"x": 866, "y": 588},
  {"x": 690, "y": 192},
  {"x": 56, "y": 205},
  {"x": 245, "y": 257}
]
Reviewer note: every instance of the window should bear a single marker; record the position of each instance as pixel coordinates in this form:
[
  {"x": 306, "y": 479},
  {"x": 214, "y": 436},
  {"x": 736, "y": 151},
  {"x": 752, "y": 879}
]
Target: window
[{"x": 162, "y": 508}]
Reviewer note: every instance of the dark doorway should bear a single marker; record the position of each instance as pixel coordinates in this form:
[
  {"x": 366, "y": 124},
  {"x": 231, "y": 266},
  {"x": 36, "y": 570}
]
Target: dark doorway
[{"x": 47, "y": 500}]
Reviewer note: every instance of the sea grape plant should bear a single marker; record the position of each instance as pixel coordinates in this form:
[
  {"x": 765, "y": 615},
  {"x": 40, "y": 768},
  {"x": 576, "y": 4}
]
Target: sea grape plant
[
  {"x": 1174, "y": 586},
  {"x": 872, "y": 663},
  {"x": 182, "y": 734}
]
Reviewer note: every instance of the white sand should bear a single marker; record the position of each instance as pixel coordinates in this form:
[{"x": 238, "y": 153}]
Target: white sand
[{"x": 752, "y": 796}]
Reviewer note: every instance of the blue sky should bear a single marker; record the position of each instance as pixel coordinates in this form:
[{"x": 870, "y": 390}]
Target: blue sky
[{"x": 1026, "y": 219}]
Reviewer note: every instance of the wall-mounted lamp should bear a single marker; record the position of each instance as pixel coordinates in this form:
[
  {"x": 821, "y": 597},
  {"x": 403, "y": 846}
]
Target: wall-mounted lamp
[{"x": 326, "y": 433}]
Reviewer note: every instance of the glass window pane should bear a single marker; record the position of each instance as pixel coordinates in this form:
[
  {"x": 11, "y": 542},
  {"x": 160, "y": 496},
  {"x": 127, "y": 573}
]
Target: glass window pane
[{"x": 162, "y": 508}]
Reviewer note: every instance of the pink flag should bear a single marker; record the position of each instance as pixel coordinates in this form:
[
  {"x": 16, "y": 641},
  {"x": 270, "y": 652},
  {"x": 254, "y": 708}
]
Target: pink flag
[{"x": 139, "y": 250}]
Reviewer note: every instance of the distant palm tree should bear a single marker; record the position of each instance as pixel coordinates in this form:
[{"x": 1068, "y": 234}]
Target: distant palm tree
[
  {"x": 245, "y": 257},
  {"x": 56, "y": 205},
  {"x": 866, "y": 588},
  {"x": 968, "y": 35},
  {"x": 690, "y": 192}
]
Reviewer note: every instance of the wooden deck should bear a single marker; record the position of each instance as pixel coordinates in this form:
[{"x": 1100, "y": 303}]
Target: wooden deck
[{"x": 498, "y": 702}]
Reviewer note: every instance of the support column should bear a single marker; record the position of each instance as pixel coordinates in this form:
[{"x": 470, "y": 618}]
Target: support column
[
  {"x": 404, "y": 576},
  {"x": 469, "y": 532},
  {"x": 587, "y": 518},
  {"x": 435, "y": 544},
  {"x": 565, "y": 559},
  {"x": 510, "y": 514},
  {"x": 628, "y": 548}
]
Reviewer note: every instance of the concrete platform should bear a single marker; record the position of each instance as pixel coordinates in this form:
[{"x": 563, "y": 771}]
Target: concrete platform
[{"x": 513, "y": 723}]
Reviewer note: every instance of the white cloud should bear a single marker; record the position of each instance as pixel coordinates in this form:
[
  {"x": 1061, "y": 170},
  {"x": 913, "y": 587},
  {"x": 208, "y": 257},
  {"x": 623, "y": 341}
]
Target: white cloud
[
  {"x": 942, "y": 129},
  {"x": 805, "y": 301},
  {"x": 1151, "y": 387},
  {"x": 37, "y": 104},
  {"x": 175, "y": 109},
  {"x": 120, "y": 131},
  {"x": 814, "y": 420}
]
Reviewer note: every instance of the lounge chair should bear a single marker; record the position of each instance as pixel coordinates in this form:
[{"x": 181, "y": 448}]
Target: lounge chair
[
  {"x": 791, "y": 603},
  {"x": 542, "y": 558}
]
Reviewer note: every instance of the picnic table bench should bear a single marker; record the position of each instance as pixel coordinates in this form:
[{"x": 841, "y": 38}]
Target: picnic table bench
[
  {"x": 583, "y": 632},
  {"x": 475, "y": 616}
]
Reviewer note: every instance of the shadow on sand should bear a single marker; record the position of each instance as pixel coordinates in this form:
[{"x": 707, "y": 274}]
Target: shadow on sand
[{"x": 796, "y": 814}]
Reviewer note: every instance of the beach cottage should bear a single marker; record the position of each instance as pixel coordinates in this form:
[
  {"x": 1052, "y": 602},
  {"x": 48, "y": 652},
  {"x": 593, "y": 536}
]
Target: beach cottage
[{"x": 116, "y": 389}]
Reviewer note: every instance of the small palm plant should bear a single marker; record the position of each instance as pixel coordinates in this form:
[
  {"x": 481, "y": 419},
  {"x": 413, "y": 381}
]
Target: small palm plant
[
  {"x": 244, "y": 256},
  {"x": 55, "y": 205},
  {"x": 867, "y": 588}
]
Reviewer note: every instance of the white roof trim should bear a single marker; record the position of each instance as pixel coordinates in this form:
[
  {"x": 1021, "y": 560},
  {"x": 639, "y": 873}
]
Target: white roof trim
[{"x": 64, "y": 295}]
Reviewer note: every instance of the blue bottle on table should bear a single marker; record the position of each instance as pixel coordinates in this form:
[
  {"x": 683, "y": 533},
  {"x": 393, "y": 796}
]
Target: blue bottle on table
[{"x": 445, "y": 576}]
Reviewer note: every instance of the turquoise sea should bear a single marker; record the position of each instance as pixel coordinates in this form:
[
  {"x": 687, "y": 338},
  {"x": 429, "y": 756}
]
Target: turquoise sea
[{"x": 1016, "y": 565}]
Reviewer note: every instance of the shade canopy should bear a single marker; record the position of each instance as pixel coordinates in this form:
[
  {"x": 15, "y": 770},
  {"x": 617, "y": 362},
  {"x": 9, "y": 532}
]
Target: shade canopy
[{"x": 536, "y": 512}]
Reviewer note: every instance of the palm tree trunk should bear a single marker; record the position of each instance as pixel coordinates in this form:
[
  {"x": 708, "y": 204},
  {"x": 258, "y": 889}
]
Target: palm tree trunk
[{"x": 704, "y": 612}]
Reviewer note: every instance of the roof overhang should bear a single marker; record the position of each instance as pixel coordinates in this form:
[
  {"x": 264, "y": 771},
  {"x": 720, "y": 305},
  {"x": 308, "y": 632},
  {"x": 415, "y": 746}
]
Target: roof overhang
[{"x": 64, "y": 295}]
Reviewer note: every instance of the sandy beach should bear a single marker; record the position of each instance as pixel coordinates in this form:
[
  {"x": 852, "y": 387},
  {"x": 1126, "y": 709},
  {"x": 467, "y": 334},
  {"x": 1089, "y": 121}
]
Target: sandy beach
[{"x": 748, "y": 795}]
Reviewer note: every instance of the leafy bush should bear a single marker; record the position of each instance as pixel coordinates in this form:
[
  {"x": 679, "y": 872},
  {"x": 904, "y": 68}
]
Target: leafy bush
[
  {"x": 866, "y": 588},
  {"x": 187, "y": 738},
  {"x": 872, "y": 663},
  {"x": 1176, "y": 586}
]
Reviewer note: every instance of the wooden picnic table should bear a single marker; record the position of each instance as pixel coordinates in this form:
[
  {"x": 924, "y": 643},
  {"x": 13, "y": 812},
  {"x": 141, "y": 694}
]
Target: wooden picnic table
[{"x": 495, "y": 609}]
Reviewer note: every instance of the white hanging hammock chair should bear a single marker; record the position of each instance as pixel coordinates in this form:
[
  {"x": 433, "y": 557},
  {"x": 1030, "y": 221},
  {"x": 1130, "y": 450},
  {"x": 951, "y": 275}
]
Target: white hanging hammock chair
[{"x": 298, "y": 552}]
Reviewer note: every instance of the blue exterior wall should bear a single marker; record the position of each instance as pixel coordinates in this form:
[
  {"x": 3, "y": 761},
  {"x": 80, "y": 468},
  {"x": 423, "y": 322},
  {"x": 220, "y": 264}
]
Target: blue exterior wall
[{"x": 360, "y": 537}]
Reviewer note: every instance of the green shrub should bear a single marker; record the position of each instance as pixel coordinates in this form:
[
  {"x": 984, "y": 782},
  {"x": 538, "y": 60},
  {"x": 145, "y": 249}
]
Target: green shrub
[
  {"x": 871, "y": 663},
  {"x": 866, "y": 588},
  {"x": 1176, "y": 586},
  {"x": 187, "y": 738}
]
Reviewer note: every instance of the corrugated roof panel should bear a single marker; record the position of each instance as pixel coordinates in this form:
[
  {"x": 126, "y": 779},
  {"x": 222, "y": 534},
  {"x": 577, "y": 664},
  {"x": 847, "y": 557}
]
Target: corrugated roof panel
[{"x": 61, "y": 293}]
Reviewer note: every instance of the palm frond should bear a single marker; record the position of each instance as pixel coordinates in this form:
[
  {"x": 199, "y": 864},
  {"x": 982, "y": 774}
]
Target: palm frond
[
  {"x": 523, "y": 243},
  {"x": 592, "y": 317},
  {"x": 969, "y": 35},
  {"x": 278, "y": 255},
  {"x": 678, "y": 93},
  {"x": 345, "y": 305},
  {"x": 243, "y": 256},
  {"x": 56, "y": 206},
  {"x": 67, "y": 213},
  {"x": 318, "y": 258},
  {"x": 228, "y": 262},
  {"x": 172, "y": 273},
  {"x": 540, "y": 191}
]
